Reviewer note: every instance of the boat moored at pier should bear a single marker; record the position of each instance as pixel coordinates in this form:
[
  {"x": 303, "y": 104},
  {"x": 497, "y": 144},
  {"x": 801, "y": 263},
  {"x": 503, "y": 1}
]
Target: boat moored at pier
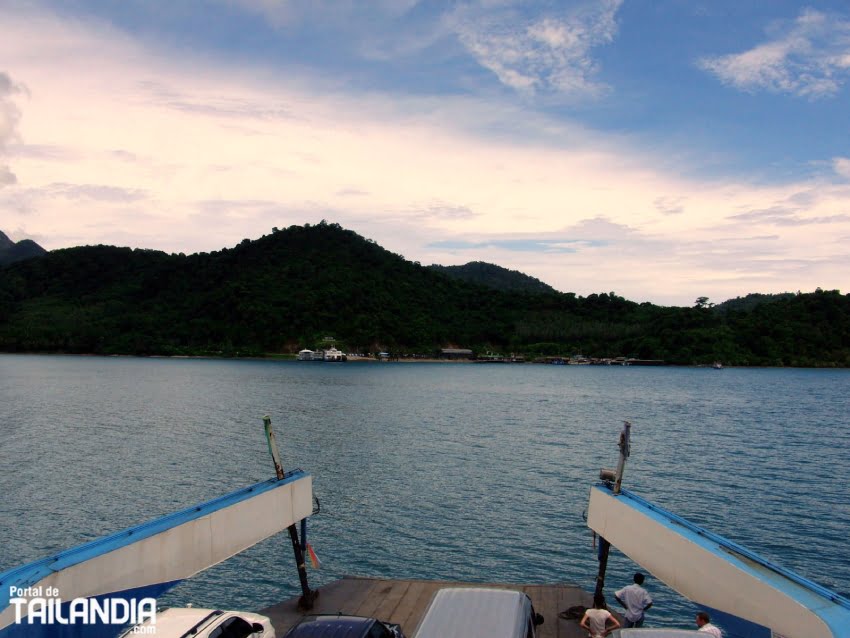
[{"x": 334, "y": 356}]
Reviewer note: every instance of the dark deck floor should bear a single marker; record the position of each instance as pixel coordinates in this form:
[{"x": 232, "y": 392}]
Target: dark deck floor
[{"x": 405, "y": 601}]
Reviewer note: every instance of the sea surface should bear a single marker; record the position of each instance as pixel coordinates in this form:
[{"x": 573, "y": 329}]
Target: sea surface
[{"x": 426, "y": 470}]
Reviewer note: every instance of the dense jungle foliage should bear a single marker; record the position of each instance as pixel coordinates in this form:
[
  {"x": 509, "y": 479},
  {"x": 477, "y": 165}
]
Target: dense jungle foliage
[
  {"x": 294, "y": 287},
  {"x": 493, "y": 276}
]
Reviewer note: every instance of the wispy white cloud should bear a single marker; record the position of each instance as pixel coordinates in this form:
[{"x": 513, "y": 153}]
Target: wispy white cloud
[
  {"x": 534, "y": 48},
  {"x": 549, "y": 52},
  {"x": 98, "y": 192},
  {"x": 784, "y": 216},
  {"x": 809, "y": 57},
  {"x": 437, "y": 212},
  {"x": 670, "y": 205}
]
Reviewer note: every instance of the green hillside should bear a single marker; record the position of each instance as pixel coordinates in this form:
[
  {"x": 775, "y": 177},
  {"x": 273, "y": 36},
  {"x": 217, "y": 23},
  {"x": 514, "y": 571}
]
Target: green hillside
[
  {"x": 493, "y": 276},
  {"x": 292, "y": 288}
]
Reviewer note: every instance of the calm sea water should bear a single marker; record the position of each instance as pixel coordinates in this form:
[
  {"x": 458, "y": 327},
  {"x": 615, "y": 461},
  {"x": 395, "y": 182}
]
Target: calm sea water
[{"x": 461, "y": 472}]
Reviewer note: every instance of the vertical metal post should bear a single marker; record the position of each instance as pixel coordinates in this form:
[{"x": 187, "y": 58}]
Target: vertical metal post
[
  {"x": 307, "y": 595},
  {"x": 278, "y": 468},
  {"x": 604, "y": 545},
  {"x": 625, "y": 451}
]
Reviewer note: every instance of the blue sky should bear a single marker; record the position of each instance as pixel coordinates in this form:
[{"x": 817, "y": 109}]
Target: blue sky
[{"x": 662, "y": 150}]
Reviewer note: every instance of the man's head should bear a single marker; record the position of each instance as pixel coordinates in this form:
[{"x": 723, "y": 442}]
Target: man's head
[
  {"x": 703, "y": 618},
  {"x": 639, "y": 578}
]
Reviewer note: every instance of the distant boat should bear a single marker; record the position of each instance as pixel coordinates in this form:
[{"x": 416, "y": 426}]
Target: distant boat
[
  {"x": 310, "y": 355},
  {"x": 717, "y": 365},
  {"x": 334, "y": 355}
]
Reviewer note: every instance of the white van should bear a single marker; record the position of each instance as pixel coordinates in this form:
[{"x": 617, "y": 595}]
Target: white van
[{"x": 475, "y": 612}]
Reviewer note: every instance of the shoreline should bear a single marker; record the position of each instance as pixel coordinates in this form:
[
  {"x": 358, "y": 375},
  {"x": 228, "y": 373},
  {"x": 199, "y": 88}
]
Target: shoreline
[{"x": 283, "y": 357}]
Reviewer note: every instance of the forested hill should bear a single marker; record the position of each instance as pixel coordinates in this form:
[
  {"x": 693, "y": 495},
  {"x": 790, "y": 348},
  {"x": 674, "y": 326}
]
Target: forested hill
[
  {"x": 748, "y": 303},
  {"x": 493, "y": 276},
  {"x": 24, "y": 249},
  {"x": 292, "y": 288}
]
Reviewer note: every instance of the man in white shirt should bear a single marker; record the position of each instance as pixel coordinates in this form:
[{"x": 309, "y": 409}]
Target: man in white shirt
[
  {"x": 636, "y": 600},
  {"x": 704, "y": 624}
]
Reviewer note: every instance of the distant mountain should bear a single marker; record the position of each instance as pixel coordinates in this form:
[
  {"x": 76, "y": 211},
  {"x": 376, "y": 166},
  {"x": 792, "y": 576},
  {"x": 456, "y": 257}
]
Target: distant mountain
[
  {"x": 493, "y": 276},
  {"x": 294, "y": 287},
  {"x": 11, "y": 252}
]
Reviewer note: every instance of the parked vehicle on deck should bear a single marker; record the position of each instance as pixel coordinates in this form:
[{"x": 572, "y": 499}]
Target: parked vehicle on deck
[
  {"x": 177, "y": 622},
  {"x": 477, "y": 612},
  {"x": 343, "y": 627}
]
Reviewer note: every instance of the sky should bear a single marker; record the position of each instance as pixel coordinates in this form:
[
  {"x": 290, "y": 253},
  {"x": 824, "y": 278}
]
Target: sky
[{"x": 662, "y": 150}]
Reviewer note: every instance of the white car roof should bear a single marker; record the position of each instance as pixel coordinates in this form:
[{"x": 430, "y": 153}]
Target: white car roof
[
  {"x": 176, "y": 621},
  {"x": 471, "y": 612}
]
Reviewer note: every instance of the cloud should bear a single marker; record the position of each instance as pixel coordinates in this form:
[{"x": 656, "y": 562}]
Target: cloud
[
  {"x": 841, "y": 166},
  {"x": 98, "y": 192},
  {"x": 7, "y": 177},
  {"x": 780, "y": 216},
  {"x": 548, "y": 53},
  {"x": 125, "y": 156},
  {"x": 513, "y": 245},
  {"x": 48, "y": 152},
  {"x": 670, "y": 205},
  {"x": 350, "y": 191},
  {"x": 810, "y": 57},
  {"x": 534, "y": 48},
  {"x": 224, "y": 107},
  {"x": 227, "y": 210},
  {"x": 442, "y": 211},
  {"x": 377, "y": 30},
  {"x": 583, "y": 210},
  {"x": 803, "y": 199},
  {"x": 19, "y": 233},
  {"x": 291, "y": 13},
  {"x": 585, "y": 235},
  {"x": 9, "y": 117}
]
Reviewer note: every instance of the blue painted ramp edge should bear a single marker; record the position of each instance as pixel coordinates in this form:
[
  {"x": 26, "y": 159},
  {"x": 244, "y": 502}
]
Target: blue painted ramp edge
[
  {"x": 31, "y": 573},
  {"x": 725, "y": 543},
  {"x": 831, "y": 607}
]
